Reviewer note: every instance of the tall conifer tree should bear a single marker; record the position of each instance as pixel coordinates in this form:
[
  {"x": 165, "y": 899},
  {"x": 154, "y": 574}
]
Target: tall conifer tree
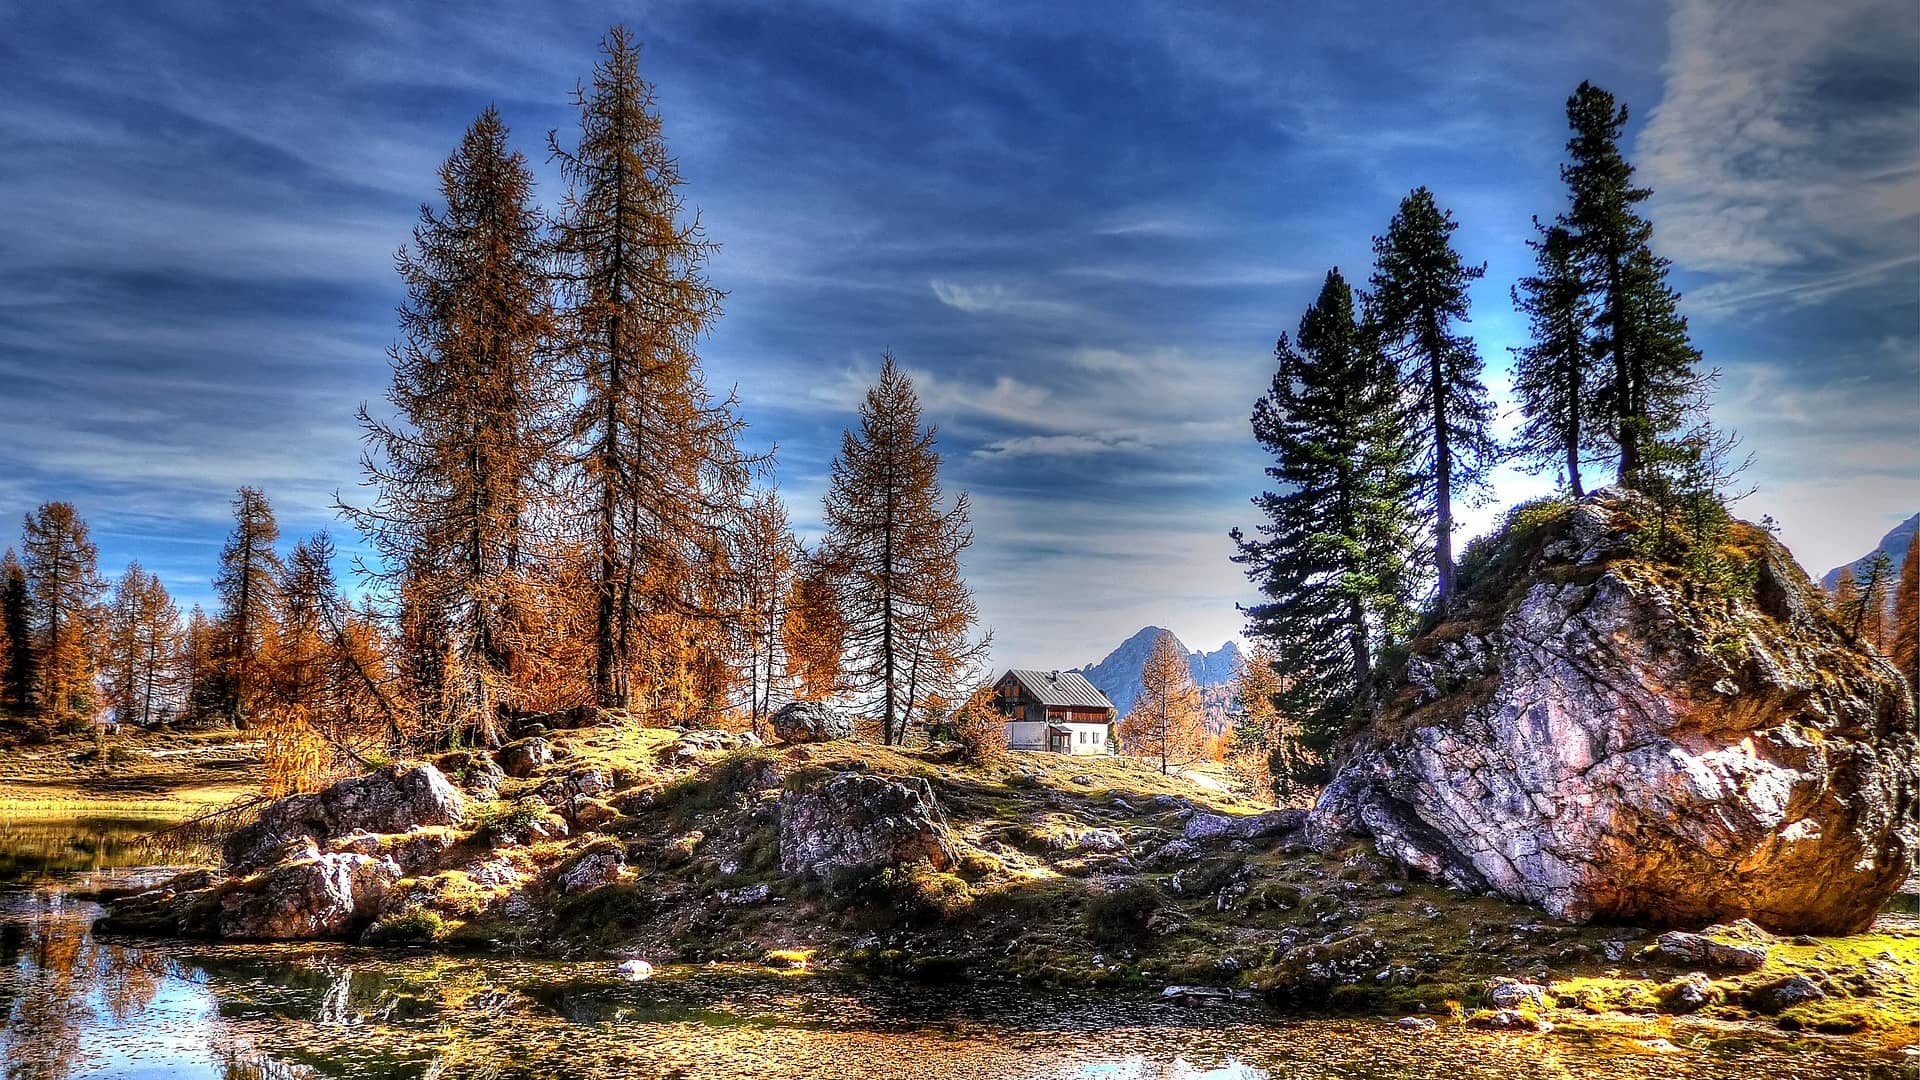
[
  {"x": 64, "y": 581},
  {"x": 907, "y": 612},
  {"x": 142, "y": 661},
  {"x": 1554, "y": 373},
  {"x": 460, "y": 475},
  {"x": 248, "y": 584},
  {"x": 1419, "y": 293},
  {"x": 1641, "y": 334},
  {"x": 1332, "y": 556},
  {"x": 658, "y": 455},
  {"x": 17, "y": 669}
]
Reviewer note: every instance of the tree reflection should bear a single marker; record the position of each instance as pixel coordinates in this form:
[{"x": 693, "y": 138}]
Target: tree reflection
[{"x": 57, "y": 981}]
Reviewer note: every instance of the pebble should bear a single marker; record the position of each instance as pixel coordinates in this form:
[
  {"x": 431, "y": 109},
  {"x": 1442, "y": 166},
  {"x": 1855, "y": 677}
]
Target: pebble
[{"x": 636, "y": 970}]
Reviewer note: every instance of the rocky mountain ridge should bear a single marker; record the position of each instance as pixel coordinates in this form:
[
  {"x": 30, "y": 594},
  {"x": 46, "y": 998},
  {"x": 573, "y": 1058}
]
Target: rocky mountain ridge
[
  {"x": 1894, "y": 545},
  {"x": 1118, "y": 674}
]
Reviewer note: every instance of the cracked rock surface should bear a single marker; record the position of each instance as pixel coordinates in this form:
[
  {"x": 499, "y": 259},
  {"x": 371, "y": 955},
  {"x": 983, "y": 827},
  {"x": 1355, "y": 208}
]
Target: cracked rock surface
[{"x": 1603, "y": 735}]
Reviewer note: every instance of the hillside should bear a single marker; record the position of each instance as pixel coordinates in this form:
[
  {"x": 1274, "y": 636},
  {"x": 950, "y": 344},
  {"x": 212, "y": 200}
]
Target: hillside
[
  {"x": 1894, "y": 544},
  {"x": 622, "y": 843},
  {"x": 1118, "y": 675}
]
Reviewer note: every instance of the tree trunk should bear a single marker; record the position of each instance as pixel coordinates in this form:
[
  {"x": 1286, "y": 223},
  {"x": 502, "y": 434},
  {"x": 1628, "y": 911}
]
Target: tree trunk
[{"x": 1442, "y": 466}]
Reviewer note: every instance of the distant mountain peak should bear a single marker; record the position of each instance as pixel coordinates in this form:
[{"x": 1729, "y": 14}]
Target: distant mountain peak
[
  {"x": 1894, "y": 544},
  {"x": 1118, "y": 674}
]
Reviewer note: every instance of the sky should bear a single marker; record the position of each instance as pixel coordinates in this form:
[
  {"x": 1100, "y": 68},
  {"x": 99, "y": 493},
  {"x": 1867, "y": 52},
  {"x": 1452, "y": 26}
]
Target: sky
[{"x": 1079, "y": 227}]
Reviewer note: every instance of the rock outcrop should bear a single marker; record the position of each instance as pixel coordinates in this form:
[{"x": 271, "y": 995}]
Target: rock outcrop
[
  {"x": 810, "y": 721},
  {"x": 853, "y": 821},
  {"x": 1606, "y": 735},
  {"x": 391, "y": 800}
]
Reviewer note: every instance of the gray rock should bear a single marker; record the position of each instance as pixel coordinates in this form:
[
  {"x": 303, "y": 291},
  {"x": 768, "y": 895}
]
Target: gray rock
[
  {"x": 601, "y": 866},
  {"x": 694, "y": 743},
  {"x": 857, "y": 821},
  {"x": 1509, "y": 993},
  {"x": 1204, "y": 826},
  {"x": 1785, "y": 994},
  {"x": 526, "y": 757},
  {"x": 1698, "y": 950},
  {"x": 1416, "y": 1023},
  {"x": 1202, "y": 996},
  {"x": 1510, "y": 1020},
  {"x": 319, "y": 898},
  {"x": 396, "y": 799},
  {"x": 746, "y": 895},
  {"x": 1687, "y": 993},
  {"x": 811, "y": 721},
  {"x": 1561, "y": 742}
]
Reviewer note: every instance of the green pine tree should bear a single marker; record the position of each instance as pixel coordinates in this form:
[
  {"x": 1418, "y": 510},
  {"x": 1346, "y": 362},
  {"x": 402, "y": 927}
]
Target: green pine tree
[
  {"x": 1552, "y": 375},
  {"x": 1419, "y": 293},
  {"x": 18, "y": 673},
  {"x": 1333, "y": 555},
  {"x": 1640, "y": 333}
]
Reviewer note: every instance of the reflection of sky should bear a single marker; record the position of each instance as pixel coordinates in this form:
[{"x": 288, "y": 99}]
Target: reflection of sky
[
  {"x": 176, "y": 1036},
  {"x": 1080, "y": 226}
]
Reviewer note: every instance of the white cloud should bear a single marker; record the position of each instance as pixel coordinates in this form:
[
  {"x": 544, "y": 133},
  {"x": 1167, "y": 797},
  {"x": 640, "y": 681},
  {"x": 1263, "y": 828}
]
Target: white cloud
[{"x": 1783, "y": 154}]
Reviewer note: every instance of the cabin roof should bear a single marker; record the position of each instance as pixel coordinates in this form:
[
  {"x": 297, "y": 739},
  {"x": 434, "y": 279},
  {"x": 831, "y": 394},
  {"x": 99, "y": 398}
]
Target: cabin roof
[{"x": 1060, "y": 688}]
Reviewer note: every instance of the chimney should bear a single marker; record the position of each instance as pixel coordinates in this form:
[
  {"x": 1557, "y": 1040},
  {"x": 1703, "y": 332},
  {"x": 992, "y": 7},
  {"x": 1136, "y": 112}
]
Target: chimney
[{"x": 1053, "y": 676}]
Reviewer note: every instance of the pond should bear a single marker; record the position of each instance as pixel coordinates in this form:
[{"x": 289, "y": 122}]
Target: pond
[{"x": 78, "y": 1006}]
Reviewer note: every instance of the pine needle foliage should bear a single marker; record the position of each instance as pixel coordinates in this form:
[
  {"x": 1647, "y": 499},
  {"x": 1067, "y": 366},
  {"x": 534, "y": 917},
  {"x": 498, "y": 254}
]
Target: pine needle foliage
[
  {"x": 1639, "y": 331},
  {"x": 1553, "y": 375},
  {"x": 895, "y": 543},
  {"x": 461, "y": 471},
  {"x": 63, "y": 582},
  {"x": 1166, "y": 725},
  {"x": 1333, "y": 555},
  {"x": 657, "y": 456},
  {"x": 1419, "y": 294}
]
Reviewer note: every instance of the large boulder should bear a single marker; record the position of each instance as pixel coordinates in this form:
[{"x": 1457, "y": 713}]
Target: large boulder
[
  {"x": 317, "y": 898},
  {"x": 395, "y": 799},
  {"x": 811, "y": 721},
  {"x": 1606, "y": 735},
  {"x": 855, "y": 821}
]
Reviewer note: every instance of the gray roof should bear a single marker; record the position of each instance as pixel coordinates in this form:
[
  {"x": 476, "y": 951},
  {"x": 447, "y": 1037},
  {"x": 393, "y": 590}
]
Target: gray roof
[{"x": 1061, "y": 688}]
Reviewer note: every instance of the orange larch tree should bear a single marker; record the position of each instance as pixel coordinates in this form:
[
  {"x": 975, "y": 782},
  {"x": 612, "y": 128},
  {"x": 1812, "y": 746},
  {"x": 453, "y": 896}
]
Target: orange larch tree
[
  {"x": 1166, "y": 723},
  {"x": 64, "y": 583},
  {"x": 462, "y": 473},
  {"x": 897, "y": 543}
]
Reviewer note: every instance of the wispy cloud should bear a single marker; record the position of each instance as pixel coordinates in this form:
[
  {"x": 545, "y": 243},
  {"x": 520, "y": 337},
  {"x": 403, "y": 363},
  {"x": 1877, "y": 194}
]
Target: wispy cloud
[{"x": 1783, "y": 151}]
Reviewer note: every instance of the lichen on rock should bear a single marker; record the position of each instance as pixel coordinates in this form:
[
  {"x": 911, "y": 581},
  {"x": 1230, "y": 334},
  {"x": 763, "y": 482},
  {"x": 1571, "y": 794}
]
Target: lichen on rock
[{"x": 1594, "y": 732}]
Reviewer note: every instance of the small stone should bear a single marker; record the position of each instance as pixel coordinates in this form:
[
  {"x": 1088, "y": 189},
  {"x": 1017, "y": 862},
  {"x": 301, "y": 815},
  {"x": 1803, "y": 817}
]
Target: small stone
[
  {"x": 1504, "y": 992},
  {"x": 636, "y": 970},
  {"x": 599, "y": 867},
  {"x": 1785, "y": 994},
  {"x": 1683, "y": 947},
  {"x": 1509, "y": 1020},
  {"x": 1416, "y": 1023},
  {"x": 526, "y": 757},
  {"x": 1201, "y": 996},
  {"x": 1687, "y": 993},
  {"x": 811, "y": 721},
  {"x": 747, "y": 895}
]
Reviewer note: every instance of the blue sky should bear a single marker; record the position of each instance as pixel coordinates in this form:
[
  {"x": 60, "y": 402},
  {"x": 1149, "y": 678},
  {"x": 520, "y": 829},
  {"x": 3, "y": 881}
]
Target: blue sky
[{"x": 1080, "y": 228}]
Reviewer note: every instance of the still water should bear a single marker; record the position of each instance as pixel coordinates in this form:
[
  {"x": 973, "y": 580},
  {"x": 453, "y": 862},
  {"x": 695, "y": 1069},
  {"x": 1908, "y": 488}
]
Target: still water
[{"x": 76, "y": 1006}]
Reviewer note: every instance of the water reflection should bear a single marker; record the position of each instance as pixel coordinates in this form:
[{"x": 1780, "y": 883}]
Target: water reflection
[{"x": 81, "y": 1007}]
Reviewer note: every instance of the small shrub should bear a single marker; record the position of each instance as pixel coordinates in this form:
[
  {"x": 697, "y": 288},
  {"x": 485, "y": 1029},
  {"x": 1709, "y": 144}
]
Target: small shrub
[
  {"x": 510, "y": 821},
  {"x": 408, "y": 926},
  {"x": 979, "y": 730},
  {"x": 1121, "y": 915}
]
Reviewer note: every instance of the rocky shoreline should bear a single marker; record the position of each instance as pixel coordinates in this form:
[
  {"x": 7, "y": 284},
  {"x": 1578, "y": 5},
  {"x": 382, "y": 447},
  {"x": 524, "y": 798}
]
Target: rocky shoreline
[{"x": 700, "y": 846}]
